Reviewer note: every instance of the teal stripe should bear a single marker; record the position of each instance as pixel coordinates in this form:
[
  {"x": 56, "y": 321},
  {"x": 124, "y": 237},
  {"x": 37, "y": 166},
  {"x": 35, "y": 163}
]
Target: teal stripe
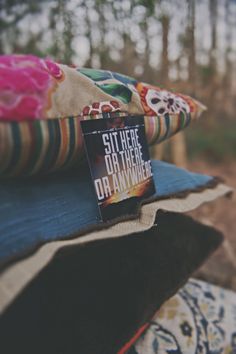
[
  {"x": 182, "y": 120},
  {"x": 57, "y": 143},
  {"x": 17, "y": 143},
  {"x": 157, "y": 133},
  {"x": 167, "y": 123},
  {"x": 36, "y": 128},
  {"x": 188, "y": 119},
  {"x": 49, "y": 153},
  {"x": 71, "y": 141}
]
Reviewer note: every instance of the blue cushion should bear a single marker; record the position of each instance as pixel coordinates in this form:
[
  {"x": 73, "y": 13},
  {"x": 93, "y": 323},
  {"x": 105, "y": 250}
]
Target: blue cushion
[{"x": 37, "y": 210}]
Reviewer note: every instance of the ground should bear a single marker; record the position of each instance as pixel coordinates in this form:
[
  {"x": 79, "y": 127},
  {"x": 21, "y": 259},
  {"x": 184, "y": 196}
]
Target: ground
[{"x": 220, "y": 268}]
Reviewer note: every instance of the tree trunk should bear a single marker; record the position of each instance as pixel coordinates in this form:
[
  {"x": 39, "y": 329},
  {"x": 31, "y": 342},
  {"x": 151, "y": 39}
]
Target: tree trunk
[
  {"x": 165, "y": 22},
  {"x": 179, "y": 150},
  {"x": 192, "y": 50}
]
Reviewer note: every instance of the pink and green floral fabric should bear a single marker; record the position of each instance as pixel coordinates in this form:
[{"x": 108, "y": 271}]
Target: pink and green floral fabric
[{"x": 42, "y": 104}]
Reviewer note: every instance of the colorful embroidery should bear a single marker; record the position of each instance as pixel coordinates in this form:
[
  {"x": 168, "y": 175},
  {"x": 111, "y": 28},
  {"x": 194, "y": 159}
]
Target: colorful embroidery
[
  {"x": 104, "y": 75},
  {"x": 114, "y": 84},
  {"x": 101, "y": 107},
  {"x": 201, "y": 318},
  {"x": 26, "y": 84},
  {"x": 160, "y": 102},
  {"x": 58, "y": 96},
  {"x": 33, "y": 88},
  {"x": 118, "y": 91}
]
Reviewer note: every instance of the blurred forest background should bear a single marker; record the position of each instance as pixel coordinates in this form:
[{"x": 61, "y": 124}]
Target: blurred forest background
[{"x": 183, "y": 45}]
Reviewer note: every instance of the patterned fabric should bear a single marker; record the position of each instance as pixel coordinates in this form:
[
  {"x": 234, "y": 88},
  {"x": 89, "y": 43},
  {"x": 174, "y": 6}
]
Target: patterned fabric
[
  {"x": 42, "y": 104},
  {"x": 26, "y": 86},
  {"x": 29, "y": 147},
  {"x": 200, "y": 318}
]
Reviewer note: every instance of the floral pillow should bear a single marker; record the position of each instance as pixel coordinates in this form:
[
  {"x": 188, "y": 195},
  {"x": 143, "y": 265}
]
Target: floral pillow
[
  {"x": 42, "y": 104},
  {"x": 200, "y": 318}
]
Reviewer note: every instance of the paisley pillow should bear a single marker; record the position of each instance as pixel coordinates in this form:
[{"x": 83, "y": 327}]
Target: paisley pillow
[
  {"x": 200, "y": 318},
  {"x": 42, "y": 104}
]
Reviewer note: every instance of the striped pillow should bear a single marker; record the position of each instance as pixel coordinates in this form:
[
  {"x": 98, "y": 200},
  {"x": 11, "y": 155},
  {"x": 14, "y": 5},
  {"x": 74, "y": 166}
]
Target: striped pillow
[{"x": 42, "y": 104}]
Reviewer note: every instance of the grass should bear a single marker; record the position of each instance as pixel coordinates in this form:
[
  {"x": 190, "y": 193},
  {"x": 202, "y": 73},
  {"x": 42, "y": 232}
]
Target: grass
[{"x": 217, "y": 143}]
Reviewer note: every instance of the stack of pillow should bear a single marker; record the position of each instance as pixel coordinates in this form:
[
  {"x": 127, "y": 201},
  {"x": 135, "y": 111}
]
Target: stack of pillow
[{"x": 70, "y": 283}]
